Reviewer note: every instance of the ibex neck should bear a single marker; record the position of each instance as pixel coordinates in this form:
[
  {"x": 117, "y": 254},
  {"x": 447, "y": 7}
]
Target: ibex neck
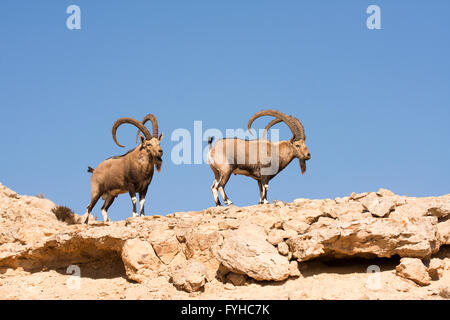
[{"x": 286, "y": 155}]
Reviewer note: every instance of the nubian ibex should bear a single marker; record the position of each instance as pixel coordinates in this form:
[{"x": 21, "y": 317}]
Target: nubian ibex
[
  {"x": 131, "y": 172},
  {"x": 259, "y": 159}
]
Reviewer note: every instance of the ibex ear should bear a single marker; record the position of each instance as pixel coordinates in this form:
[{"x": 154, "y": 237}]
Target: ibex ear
[
  {"x": 142, "y": 139},
  {"x": 161, "y": 136}
]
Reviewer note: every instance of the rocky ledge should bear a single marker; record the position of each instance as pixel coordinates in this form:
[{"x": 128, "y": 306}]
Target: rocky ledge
[{"x": 233, "y": 244}]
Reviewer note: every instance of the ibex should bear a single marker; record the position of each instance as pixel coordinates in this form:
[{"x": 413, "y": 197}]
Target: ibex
[
  {"x": 259, "y": 159},
  {"x": 131, "y": 172}
]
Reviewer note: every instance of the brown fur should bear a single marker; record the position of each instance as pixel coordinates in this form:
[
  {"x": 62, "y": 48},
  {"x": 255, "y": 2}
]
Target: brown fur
[
  {"x": 130, "y": 173},
  {"x": 249, "y": 158}
]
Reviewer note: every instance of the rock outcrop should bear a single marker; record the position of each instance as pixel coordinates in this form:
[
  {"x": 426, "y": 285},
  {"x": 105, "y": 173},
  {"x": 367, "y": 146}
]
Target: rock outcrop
[{"x": 232, "y": 244}]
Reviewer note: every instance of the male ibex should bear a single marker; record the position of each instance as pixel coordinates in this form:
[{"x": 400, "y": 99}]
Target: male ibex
[
  {"x": 259, "y": 159},
  {"x": 131, "y": 172}
]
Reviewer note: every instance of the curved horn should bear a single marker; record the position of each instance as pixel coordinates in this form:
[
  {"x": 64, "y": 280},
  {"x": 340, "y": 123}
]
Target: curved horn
[
  {"x": 300, "y": 127},
  {"x": 286, "y": 119},
  {"x": 294, "y": 119},
  {"x": 270, "y": 125},
  {"x": 152, "y": 118},
  {"x": 132, "y": 121}
]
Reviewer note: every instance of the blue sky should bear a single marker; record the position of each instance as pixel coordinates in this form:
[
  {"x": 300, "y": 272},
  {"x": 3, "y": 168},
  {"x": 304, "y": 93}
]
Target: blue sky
[{"x": 375, "y": 103}]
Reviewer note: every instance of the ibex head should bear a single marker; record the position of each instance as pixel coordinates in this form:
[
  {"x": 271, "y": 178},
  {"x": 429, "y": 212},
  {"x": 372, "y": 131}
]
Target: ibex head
[{"x": 150, "y": 145}]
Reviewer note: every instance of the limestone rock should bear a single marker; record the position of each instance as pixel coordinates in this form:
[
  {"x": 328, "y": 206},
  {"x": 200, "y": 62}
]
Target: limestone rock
[
  {"x": 283, "y": 248},
  {"x": 233, "y": 244},
  {"x": 436, "y": 268},
  {"x": 444, "y": 232},
  {"x": 293, "y": 269},
  {"x": 357, "y": 196},
  {"x": 249, "y": 253},
  {"x": 295, "y": 225},
  {"x": 439, "y": 209},
  {"x": 165, "y": 244},
  {"x": 189, "y": 276},
  {"x": 385, "y": 193},
  {"x": 378, "y": 206},
  {"x": 275, "y": 236},
  {"x": 7, "y": 193},
  {"x": 413, "y": 269},
  {"x": 309, "y": 215},
  {"x": 139, "y": 259},
  {"x": 368, "y": 237},
  {"x": 202, "y": 244}
]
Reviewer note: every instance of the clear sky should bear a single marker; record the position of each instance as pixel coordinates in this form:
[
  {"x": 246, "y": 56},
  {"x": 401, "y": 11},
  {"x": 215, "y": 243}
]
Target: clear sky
[{"x": 375, "y": 103}]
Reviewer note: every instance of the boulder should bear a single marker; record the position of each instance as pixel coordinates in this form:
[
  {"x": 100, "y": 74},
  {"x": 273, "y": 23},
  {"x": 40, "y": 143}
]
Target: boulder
[
  {"x": 436, "y": 268},
  {"x": 378, "y": 206},
  {"x": 140, "y": 260},
  {"x": 202, "y": 244},
  {"x": 385, "y": 193},
  {"x": 247, "y": 252},
  {"x": 276, "y": 236},
  {"x": 413, "y": 269},
  {"x": 165, "y": 244},
  {"x": 293, "y": 269},
  {"x": 283, "y": 248},
  {"x": 189, "y": 276},
  {"x": 367, "y": 238}
]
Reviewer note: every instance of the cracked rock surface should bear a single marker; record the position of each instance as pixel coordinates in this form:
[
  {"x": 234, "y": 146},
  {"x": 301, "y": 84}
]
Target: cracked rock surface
[{"x": 274, "y": 251}]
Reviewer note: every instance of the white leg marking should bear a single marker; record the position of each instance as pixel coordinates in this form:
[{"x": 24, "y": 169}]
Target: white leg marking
[
  {"x": 86, "y": 217},
  {"x": 214, "y": 191},
  {"x": 224, "y": 196},
  {"x": 105, "y": 215},
  {"x": 141, "y": 205},
  {"x": 265, "y": 188},
  {"x": 134, "y": 200}
]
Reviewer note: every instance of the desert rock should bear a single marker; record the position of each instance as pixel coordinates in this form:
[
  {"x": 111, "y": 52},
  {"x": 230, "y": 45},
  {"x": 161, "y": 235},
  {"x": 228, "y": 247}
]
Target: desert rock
[
  {"x": 189, "y": 276},
  {"x": 228, "y": 246},
  {"x": 413, "y": 269},
  {"x": 249, "y": 253}
]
